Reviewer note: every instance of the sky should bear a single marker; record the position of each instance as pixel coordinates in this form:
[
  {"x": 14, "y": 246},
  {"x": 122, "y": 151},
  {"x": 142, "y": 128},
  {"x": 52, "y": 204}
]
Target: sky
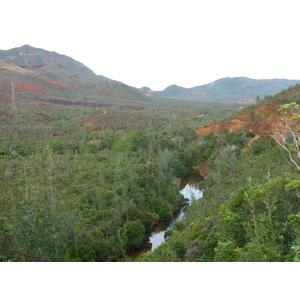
[{"x": 158, "y": 43}]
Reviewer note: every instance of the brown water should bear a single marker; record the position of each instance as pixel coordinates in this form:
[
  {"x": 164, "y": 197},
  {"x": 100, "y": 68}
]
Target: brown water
[
  {"x": 192, "y": 178},
  {"x": 190, "y": 189}
]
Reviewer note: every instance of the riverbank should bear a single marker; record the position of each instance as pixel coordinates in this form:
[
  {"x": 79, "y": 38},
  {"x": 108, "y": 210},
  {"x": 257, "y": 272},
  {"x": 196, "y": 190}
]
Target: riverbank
[{"x": 189, "y": 187}]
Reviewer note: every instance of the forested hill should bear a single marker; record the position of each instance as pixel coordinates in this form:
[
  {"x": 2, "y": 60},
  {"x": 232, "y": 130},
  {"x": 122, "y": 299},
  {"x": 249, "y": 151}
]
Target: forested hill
[
  {"x": 48, "y": 75},
  {"x": 240, "y": 89},
  {"x": 250, "y": 210},
  {"x": 50, "y": 64},
  {"x": 88, "y": 182}
]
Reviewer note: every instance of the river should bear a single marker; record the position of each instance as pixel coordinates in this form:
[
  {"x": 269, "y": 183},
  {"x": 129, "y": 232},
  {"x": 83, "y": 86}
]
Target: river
[{"x": 191, "y": 190}]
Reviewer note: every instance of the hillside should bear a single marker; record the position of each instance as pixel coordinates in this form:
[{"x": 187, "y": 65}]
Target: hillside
[
  {"x": 78, "y": 181},
  {"x": 260, "y": 119},
  {"x": 249, "y": 211},
  {"x": 88, "y": 169},
  {"x": 240, "y": 89},
  {"x": 45, "y": 75},
  {"x": 52, "y": 65}
]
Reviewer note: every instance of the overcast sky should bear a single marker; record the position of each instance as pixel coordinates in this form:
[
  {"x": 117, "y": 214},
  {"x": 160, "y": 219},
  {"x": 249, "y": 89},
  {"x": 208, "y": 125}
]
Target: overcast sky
[{"x": 157, "y": 43}]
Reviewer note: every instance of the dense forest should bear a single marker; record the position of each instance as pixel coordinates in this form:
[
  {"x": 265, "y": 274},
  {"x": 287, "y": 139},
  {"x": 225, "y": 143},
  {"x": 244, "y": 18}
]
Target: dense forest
[{"x": 88, "y": 183}]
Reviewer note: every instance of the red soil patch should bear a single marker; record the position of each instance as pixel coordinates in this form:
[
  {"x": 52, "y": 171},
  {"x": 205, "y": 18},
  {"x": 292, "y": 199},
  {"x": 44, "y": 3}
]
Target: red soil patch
[
  {"x": 5, "y": 114},
  {"x": 5, "y": 98},
  {"x": 199, "y": 93},
  {"x": 63, "y": 86},
  {"x": 106, "y": 93},
  {"x": 9, "y": 67},
  {"x": 203, "y": 169},
  {"x": 59, "y": 134},
  {"x": 262, "y": 122},
  {"x": 93, "y": 130},
  {"x": 91, "y": 120},
  {"x": 177, "y": 181},
  {"x": 21, "y": 86}
]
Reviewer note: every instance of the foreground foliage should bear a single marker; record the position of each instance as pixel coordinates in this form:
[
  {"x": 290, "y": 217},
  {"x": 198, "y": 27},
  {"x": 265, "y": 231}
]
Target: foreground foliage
[{"x": 250, "y": 210}]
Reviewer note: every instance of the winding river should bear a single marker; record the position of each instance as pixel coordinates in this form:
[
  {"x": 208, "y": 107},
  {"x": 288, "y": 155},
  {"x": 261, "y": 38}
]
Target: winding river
[{"x": 191, "y": 190}]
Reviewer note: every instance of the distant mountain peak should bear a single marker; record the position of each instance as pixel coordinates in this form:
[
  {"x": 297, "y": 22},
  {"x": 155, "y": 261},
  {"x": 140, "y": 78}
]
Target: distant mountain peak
[
  {"x": 145, "y": 89},
  {"x": 27, "y": 47},
  {"x": 36, "y": 69},
  {"x": 32, "y": 58},
  {"x": 240, "y": 89}
]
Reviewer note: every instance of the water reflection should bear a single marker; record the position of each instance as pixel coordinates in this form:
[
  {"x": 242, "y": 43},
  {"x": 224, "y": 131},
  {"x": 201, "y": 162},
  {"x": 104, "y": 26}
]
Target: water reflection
[
  {"x": 190, "y": 189},
  {"x": 158, "y": 233},
  {"x": 191, "y": 192}
]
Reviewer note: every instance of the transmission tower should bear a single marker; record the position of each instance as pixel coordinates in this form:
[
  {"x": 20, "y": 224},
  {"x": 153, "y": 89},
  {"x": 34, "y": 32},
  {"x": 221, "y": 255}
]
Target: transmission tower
[{"x": 13, "y": 97}]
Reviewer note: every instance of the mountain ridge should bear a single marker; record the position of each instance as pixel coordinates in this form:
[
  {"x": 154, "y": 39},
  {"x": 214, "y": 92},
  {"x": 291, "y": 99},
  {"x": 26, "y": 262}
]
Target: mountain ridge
[
  {"x": 58, "y": 76},
  {"x": 32, "y": 58},
  {"x": 47, "y": 74},
  {"x": 240, "y": 89}
]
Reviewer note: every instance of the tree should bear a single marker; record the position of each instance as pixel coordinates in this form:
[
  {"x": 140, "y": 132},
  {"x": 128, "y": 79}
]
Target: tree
[
  {"x": 271, "y": 223},
  {"x": 6, "y": 240},
  {"x": 123, "y": 146},
  {"x": 179, "y": 248},
  {"x": 133, "y": 234},
  {"x": 258, "y": 100},
  {"x": 287, "y": 135}
]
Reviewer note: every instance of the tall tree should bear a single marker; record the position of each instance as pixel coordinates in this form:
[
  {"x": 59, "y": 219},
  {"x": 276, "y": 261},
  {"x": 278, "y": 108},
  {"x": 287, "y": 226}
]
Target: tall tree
[{"x": 287, "y": 135}]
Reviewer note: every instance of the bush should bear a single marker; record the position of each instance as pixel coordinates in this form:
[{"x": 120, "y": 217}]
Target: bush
[
  {"x": 179, "y": 249},
  {"x": 133, "y": 233},
  {"x": 256, "y": 148},
  {"x": 238, "y": 141},
  {"x": 180, "y": 170}
]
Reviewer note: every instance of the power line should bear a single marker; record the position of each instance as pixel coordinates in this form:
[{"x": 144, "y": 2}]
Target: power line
[{"x": 13, "y": 97}]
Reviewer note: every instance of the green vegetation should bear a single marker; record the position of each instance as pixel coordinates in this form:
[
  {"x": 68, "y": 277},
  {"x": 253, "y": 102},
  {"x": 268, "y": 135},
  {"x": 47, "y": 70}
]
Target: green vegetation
[
  {"x": 250, "y": 209},
  {"x": 88, "y": 165},
  {"x": 230, "y": 88},
  {"x": 72, "y": 194}
]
